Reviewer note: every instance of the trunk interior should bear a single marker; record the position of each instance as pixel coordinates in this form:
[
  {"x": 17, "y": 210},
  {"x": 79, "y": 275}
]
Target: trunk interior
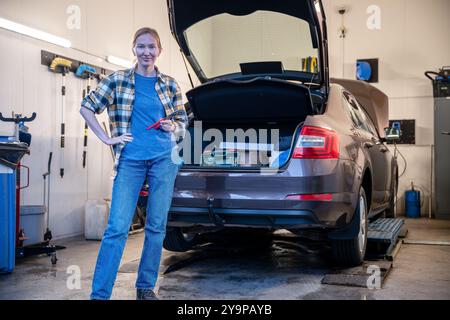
[
  {"x": 245, "y": 124},
  {"x": 239, "y": 147}
]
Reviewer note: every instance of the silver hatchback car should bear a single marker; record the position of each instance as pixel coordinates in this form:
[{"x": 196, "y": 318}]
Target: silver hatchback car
[{"x": 273, "y": 143}]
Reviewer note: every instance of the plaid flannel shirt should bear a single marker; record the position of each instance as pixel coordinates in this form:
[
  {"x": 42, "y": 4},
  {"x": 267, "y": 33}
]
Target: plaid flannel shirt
[{"x": 116, "y": 94}]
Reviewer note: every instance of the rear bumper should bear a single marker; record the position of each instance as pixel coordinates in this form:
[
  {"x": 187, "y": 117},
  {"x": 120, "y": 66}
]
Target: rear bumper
[
  {"x": 294, "y": 215},
  {"x": 188, "y": 216},
  {"x": 255, "y": 200}
]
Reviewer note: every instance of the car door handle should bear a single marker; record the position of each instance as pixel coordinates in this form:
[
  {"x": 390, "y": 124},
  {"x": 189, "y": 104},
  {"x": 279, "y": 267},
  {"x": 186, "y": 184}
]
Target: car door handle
[
  {"x": 445, "y": 132},
  {"x": 384, "y": 150}
]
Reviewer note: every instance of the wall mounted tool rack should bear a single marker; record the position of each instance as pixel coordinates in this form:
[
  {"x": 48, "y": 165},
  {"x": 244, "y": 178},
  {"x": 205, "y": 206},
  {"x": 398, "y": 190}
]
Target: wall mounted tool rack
[{"x": 48, "y": 57}]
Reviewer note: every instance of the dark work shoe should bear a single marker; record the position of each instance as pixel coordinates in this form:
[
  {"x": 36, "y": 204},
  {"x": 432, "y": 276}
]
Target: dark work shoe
[{"x": 145, "y": 294}]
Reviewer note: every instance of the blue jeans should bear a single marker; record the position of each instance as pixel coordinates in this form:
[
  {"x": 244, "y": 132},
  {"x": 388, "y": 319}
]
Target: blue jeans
[{"x": 161, "y": 173}]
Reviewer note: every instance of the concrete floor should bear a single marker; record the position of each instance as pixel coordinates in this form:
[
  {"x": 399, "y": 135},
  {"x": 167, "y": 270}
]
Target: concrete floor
[{"x": 275, "y": 272}]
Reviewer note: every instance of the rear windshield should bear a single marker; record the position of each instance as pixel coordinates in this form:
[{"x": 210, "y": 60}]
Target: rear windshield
[{"x": 222, "y": 42}]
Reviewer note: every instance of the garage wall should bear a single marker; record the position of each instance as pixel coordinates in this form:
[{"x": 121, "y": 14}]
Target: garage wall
[
  {"x": 28, "y": 87},
  {"x": 106, "y": 28},
  {"x": 412, "y": 39}
]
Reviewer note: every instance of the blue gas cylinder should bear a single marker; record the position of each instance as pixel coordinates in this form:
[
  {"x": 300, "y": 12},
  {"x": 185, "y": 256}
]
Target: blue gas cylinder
[{"x": 412, "y": 203}]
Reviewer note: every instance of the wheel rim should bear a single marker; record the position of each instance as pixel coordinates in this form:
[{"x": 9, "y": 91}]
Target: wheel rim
[{"x": 362, "y": 226}]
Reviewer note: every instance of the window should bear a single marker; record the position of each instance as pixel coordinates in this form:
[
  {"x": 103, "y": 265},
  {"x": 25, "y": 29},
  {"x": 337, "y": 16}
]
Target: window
[
  {"x": 353, "y": 110},
  {"x": 220, "y": 43},
  {"x": 358, "y": 115},
  {"x": 368, "y": 121}
]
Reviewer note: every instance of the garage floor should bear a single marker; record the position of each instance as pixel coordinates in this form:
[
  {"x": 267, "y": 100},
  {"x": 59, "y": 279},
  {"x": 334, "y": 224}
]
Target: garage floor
[{"x": 276, "y": 272}]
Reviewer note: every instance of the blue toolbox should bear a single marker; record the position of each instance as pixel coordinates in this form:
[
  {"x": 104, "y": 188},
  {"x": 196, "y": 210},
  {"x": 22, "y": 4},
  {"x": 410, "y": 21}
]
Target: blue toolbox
[
  {"x": 11, "y": 152},
  {"x": 10, "y": 155}
]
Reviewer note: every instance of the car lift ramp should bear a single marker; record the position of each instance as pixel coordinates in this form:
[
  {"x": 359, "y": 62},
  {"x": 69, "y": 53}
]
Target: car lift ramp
[
  {"x": 382, "y": 237},
  {"x": 382, "y": 247}
]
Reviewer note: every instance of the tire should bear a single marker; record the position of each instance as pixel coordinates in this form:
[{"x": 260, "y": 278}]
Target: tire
[
  {"x": 178, "y": 241},
  {"x": 138, "y": 221},
  {"x": 140, "y": 216},
  {"x": 390, "y": 211},
  {"x": 350, "y": 253}
]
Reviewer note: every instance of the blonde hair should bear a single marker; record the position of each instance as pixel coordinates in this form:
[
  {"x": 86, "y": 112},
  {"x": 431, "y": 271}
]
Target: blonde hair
[{"x": 146, "y": 30}]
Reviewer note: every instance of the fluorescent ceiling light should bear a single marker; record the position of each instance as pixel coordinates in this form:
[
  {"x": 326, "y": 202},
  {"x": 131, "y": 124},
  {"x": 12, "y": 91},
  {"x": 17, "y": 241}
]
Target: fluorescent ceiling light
[
  {"x": 34, "y": 33},
  {"x": 119, "y": 61}
]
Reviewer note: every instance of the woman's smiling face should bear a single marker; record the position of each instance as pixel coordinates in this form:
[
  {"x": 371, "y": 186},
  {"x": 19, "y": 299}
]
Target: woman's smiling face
[{"x": 146, "y": 50}]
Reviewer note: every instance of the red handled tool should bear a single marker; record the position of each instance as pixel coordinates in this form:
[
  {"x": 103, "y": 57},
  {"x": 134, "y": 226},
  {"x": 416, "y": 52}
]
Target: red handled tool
[{"x": 157, "y": 124}]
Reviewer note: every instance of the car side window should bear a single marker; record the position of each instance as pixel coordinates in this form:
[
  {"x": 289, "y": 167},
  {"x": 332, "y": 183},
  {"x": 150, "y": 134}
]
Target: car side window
[
  {"x": 368, "y": 121},
  {"x": 353, "y": 110},
  {"x": 359, "y": 116}
]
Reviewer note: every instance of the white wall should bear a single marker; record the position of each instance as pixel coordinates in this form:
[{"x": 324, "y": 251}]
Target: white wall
[
  {"x": 413, "y": 38},
  {"x": 26, "y": 86}
]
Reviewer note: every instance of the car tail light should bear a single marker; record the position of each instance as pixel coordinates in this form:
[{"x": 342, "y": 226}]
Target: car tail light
[
  {"x": 317, "y": 143},
  {"x": 311, "y": 197}
]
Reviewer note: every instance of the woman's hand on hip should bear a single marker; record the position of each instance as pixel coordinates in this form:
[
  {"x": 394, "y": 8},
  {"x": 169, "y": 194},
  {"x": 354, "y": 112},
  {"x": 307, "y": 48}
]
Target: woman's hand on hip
[
  {"x": 167, "y": 125},
  {"x": 127, "y": 137}
]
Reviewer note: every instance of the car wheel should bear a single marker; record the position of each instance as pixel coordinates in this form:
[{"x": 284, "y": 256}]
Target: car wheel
[
  {"x": 390, "y": 212},
  {"x": 140, "y": 216},
  {"x": 178, "y": 241},
  {"x": 351, "y": 252}
]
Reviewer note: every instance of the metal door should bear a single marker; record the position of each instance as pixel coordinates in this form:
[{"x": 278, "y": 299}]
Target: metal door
[{"x": 442, "y": 157}]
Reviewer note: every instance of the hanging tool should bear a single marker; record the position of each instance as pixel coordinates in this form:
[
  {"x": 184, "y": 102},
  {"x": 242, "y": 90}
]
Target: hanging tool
[
  {"x": 48, "y": 234},
  {"x": 309, "y": 64},
  {"x": 85, "y": 72},
  {"x": 60, "y": 65}
]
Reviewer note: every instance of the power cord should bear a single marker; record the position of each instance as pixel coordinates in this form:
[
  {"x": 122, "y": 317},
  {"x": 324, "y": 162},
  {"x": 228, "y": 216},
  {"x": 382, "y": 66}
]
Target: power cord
[{"x": 397, "y": 151}]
